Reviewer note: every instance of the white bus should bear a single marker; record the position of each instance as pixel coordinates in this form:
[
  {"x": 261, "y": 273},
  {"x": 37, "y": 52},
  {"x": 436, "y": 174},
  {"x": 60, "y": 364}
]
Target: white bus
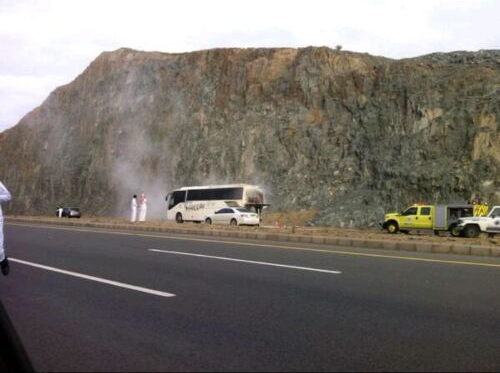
[{"x": 197, "y": 202}]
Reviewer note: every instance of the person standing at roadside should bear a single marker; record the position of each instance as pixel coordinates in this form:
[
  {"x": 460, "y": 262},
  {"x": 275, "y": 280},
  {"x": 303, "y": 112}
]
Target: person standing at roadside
[
  {"x": 133, "y": 205},
  {"x": 143, "y": 207},
  {"x": 4, "y": 263}
]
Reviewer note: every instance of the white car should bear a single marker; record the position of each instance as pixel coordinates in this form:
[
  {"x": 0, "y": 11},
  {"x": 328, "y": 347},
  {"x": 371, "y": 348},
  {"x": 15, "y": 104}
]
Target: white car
[{"x": 234, "y": 216}]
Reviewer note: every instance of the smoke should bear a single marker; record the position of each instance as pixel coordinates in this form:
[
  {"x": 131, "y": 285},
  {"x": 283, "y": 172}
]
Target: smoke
[
  {"x": 141, "y": 162},
  {"x": 131, "y": 178},
  {"x": 142, "y": 166}
]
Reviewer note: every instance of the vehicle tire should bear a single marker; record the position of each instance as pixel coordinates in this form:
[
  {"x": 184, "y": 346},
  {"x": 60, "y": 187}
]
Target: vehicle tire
[
  {"x": 454, "y": 231},
  {"x": 471, "y": 231},
  {"x": 234, "y": 222},
  {"x": 392, "y": 227},
  {"x": 208, "y": 221},
  {"x": 178, "y": 218}
]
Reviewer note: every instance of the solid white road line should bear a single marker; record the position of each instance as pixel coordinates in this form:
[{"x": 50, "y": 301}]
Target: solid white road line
[
  {"x": 248, "y": 261},
  {"x": 96, "y": 279}
]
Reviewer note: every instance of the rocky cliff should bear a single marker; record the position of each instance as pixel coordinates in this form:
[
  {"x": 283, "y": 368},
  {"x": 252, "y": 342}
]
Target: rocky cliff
[{"x": 349, "y": 135}]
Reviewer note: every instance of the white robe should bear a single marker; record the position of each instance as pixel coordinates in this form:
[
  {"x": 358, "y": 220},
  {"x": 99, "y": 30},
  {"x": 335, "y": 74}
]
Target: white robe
[
  {"x": 143, "y": 210},
  {"x": 133, "y": 218},
  {"x": 4, "y": 197}
]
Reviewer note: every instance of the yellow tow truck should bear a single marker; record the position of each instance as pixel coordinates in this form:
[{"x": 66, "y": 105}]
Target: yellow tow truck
[{"x": 429, "y": 217}]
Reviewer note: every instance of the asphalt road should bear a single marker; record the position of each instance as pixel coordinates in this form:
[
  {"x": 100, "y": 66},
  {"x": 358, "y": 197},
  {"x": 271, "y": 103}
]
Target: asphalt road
[{"x": 91, "y": 300}]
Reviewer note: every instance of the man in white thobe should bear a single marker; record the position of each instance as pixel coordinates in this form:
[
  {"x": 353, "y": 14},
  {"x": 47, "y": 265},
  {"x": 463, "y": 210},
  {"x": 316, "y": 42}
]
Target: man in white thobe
[
  {"x": 4, "y": 197},
  {"x": 143, "y": 208},
  {"x": 133, "y": 206}
]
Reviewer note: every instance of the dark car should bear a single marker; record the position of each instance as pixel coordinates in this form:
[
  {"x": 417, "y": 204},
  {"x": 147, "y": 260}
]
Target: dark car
[{"x": 69, "y": 212}]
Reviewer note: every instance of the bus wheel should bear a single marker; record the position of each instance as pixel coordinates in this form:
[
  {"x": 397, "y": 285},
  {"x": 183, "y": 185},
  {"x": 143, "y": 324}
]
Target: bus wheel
[
  {"x": 234, "y": 222},
  {"x": 178, "y": 218},
  {"x": 208, "y": 221}
]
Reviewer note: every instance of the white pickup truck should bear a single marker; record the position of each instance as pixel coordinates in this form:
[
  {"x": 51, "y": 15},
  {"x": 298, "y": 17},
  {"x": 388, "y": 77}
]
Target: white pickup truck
[{"x": 473, "y": 226}]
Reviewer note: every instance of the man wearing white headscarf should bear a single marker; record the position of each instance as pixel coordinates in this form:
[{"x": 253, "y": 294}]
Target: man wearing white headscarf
[
  {"x": 143, "y": 208},
  {"x": 4, "y": 197}
]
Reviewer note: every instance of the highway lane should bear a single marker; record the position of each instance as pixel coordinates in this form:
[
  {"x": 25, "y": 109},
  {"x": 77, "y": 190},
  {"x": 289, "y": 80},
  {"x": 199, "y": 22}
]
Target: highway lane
[{"x": 393, "y": 312}]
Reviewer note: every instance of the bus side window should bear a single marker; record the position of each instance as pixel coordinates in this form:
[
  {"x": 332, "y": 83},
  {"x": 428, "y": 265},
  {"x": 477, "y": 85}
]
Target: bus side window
[{"x": 176, "y": 198}]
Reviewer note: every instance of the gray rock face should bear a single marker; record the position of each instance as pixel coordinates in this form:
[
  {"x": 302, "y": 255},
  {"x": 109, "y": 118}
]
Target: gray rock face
[{"x": 350, "y": 135}]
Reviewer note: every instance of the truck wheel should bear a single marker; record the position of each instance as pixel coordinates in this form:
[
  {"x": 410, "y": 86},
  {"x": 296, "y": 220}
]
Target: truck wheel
[
  {"x": 471, "y": 231},
  {"x": 454, "y": 231},
  {"x": 234, "y": 222},
  {"x": 392, "y": 227},
  {"x": 178, "y": 218},
  {"x": 208, "y": 221}
]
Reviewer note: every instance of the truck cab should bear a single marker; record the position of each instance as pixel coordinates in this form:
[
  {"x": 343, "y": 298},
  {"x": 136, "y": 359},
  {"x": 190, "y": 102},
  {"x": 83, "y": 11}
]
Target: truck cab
[{"x": 414, "y": 217}]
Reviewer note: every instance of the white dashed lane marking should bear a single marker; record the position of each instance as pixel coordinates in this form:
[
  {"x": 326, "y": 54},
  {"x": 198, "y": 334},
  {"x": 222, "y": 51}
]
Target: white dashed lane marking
[
  {"x": 96, "y": 279},
  {"x": 248, "y": 261}
]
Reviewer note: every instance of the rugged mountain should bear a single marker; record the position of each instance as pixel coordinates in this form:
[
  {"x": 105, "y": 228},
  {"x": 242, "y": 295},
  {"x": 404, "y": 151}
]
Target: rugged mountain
[{"x": 347, "y": 134}]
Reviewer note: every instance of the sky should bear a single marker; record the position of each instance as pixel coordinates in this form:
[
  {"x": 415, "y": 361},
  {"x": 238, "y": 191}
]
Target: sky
[{"x": 47, "y": 43}]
